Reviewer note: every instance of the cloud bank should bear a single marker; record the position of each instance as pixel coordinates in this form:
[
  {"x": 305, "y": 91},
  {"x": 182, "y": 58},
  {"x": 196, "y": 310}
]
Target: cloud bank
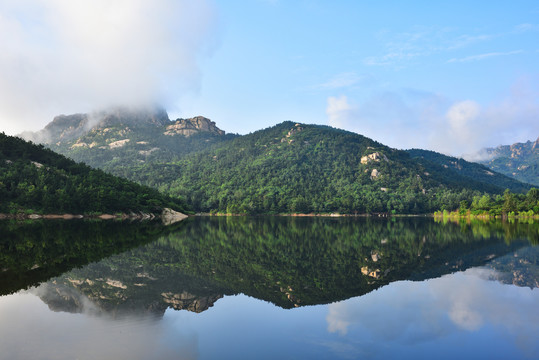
[
  {"x": 63, "y": 56},
  {"x": 414, "y": 119}
]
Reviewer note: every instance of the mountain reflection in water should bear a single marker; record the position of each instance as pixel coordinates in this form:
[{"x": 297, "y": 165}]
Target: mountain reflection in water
[
  {"x": 402, "y": 287},
  {"x": 290, "y": 262}
]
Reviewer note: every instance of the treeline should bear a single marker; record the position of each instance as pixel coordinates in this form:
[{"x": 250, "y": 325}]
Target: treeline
[
  {"x": 508, "y": 204},
  {"x": 35, "y": 179}
]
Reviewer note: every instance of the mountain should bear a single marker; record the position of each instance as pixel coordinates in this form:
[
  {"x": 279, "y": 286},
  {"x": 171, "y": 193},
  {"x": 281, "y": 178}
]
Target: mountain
[
  {"x": 118, "y": 139},
  {"x": 35, "y": 179},
  {"x": 471, "y": 170},
  {"x": 520, "y": 160},
  {"x": 287, "y": 168},
  {"x": 299, "y": 168}
]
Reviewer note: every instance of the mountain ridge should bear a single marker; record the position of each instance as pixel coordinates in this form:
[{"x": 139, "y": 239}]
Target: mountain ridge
[
  {"x": 286, "y": 168},
  {"x": 519, "y": 160}
]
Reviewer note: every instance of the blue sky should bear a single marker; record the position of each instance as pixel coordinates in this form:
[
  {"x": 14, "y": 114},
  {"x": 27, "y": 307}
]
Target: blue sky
[{"x": 448, "y": 76}]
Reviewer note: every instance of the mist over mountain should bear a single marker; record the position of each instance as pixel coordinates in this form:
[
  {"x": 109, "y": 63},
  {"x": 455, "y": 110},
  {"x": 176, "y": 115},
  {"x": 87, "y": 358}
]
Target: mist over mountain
[{"x": 519, "y": 160}]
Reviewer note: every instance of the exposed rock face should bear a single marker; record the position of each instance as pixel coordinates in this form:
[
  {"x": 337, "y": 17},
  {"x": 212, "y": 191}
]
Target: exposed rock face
[
  {"x": 376, "y": 156},
  {"x": 190, "y": 302},
  {"x": 169, "y": 216},
  {"x": 520, "y": 160},
  {"x": 188, "y": 127}
]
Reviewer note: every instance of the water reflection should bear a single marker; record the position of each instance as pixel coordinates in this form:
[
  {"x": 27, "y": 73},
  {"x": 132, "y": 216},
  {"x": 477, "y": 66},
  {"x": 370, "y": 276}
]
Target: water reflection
[
  {"x": 443, "y": 310},
  {"x": 394, "y": 288},
  {"x": 34, "y": 251}
]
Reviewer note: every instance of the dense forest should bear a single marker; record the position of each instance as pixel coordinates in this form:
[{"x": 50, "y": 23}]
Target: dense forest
[
  {"x": 294, "y": 168},
  {"x": 34, "y": 179}
]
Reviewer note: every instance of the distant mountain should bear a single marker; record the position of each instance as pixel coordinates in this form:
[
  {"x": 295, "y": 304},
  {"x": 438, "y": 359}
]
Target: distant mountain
[
  {"x": 287, "y": 168},
  {"x": 520, "y": 160},
  {"x": 36, "y": 179},
  {"x": 471, "y": 170}
]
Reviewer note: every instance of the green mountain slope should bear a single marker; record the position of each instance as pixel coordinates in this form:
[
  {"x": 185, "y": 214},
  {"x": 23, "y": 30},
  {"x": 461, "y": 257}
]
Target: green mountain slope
[
  {"x": 32, "y": 177},
  {"x": 519, "y": 161},
  {"x": 473, "y": 171},
  {"x": 288, "y": 168},
  {"x": 310, "y": 168}
]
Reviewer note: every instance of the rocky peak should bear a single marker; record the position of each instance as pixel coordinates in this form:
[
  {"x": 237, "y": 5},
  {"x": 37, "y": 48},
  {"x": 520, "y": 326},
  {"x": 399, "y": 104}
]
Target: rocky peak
[
  {"x": 68, "y": 127},
  {"x": 188, "y": 127}
]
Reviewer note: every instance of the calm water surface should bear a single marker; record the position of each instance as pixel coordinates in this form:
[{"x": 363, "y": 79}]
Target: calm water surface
[{"x": 268, "y": 287}]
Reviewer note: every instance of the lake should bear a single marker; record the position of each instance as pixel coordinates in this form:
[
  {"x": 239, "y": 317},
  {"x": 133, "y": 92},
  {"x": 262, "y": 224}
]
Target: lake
[{"x": 269, "y": 288}]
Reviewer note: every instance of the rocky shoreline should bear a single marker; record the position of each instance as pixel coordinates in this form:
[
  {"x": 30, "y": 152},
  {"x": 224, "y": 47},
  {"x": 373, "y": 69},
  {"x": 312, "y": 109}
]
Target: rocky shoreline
[{"x": 168, "y": 216}]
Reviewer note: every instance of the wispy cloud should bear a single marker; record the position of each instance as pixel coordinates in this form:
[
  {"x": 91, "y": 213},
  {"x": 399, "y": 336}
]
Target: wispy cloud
[
  {"x": 526, "y": 27},
  {"x": 405, "y": 47},
  {"x": 340, "y": 81},
  {"x": 484, "y": 56}
]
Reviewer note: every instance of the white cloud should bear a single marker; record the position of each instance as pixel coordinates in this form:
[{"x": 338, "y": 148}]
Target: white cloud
[
  {"x": 461, "y": 114},
  {"x": 414, "y": 119},
  {"x": 339, "y": 111},
  {"x": 484, "y": 56},
  {"x": 74, "y": 55}
]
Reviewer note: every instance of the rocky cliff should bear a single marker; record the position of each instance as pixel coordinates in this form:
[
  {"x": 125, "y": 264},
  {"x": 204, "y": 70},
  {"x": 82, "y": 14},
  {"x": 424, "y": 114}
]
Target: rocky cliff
[
  {"x": 73, "y": 128},
  {"x": 520, "y": 160},
  {"x": 188, "y": 127}
]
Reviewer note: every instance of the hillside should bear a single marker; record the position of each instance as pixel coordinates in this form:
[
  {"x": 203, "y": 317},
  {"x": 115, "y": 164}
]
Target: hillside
[
  {"x": 287, "y": 168},
  {"x": 471, "y": 170},
  {"x": 297, "y": 168},
  {"x": 520, "y": 160},
  {"x": 35, "y": 179}
]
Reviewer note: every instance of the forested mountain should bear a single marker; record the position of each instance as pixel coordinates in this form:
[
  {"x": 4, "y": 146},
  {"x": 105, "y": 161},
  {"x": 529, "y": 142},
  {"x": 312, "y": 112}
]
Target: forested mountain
[
  {"x": 520, "y": 160},
  {"x": 287, "y": 168},
  {"x": 35, "y": 179},
  {"x": 474, "y": 171},
  {"x": 310, "y": 168}
]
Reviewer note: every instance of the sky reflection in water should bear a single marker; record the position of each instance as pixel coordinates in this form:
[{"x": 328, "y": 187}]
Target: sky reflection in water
[{"x": 459, "y": 315}]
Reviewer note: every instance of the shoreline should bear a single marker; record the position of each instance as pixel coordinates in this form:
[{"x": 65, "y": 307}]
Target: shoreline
[
  {"x": 168, "y": 216},
  {"x": 380, "y": 215}
]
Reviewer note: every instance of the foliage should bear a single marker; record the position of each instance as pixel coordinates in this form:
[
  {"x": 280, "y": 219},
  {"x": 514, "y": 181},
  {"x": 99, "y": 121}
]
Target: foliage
[
  {"x": 470, "y": 170},
  {"x": 292, "y": 168},
  {"x": 508, "y": 204},
  {"x": 35, "y": 179}
]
